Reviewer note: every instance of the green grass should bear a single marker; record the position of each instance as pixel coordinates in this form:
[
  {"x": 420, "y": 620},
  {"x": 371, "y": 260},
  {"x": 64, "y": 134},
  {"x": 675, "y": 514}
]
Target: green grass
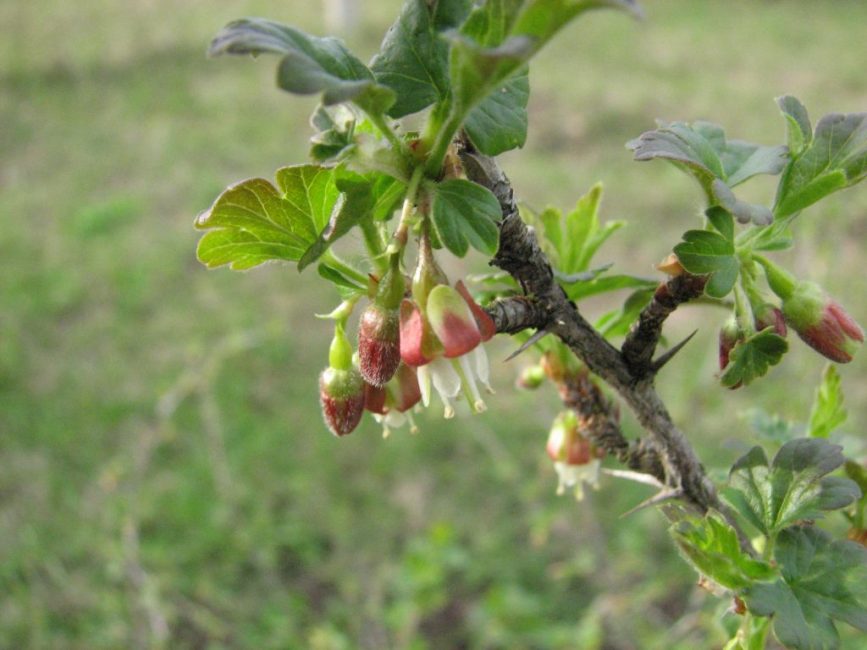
[{"x": 156, "y": 494}]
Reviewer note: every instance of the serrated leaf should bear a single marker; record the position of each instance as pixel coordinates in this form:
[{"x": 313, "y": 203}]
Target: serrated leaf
[
  {"x": 413, "y": 58},
  {"x": 704, "y": 252},
  {"x": 743, "y": 211},
  {"x": 500, "y": 36},
  {"x": 794, "y": 487},
  {"x": 823, "y": 580},
  {"x": 309, "y": 64},
  {"x": 499, "y": 123},
  {"x": 836, "y": 158},
  {"x": 253, "y": 222},
  {"x": 827, "y": 413},
  {"x": 701, "y": 149},
  {"x": 753, "y": 357},
  {"x": 711, "y": 546},
  {"x": 335, "y": 127},
  {"x": 799, "y": 131},
  {"x": 465, "y": 214},
  {"x": 355, "y": 203}
]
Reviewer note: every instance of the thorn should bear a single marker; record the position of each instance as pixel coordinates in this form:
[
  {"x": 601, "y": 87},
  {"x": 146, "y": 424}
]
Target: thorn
[
  {"x": 538, "y": 336},
  {"x": 638, "y": 477},
  {"x": 668, "y": 494},
  {"x": 657, "y": 365}
]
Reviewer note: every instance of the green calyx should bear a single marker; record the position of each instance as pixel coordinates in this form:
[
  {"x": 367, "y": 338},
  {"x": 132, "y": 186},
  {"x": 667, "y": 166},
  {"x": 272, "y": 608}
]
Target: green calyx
[
  {"x": 805, "y": 305},
  {"x": 340, "y": 352},
  {"x": 781, "y": 281},
  {"x": 392, "y": 286}
]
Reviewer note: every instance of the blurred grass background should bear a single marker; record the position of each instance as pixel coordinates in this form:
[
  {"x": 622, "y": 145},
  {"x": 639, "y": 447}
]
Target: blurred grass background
[{"x": 165, "y": 478}]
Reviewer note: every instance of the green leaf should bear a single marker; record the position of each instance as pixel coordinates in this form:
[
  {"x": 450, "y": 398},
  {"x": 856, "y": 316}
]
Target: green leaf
[
  {"x": 823, "y": 580},
  {"x": 770, "y": 427},
  {"x": 618, "y": 322},
  {"x": 355, "y": 203},
  {"x": 465, "y": 214},
  {"x": 704, "y": 252},
  {"x": 253, "y": 222},
  {"x": 701, "y": 149},
  {"x": 711, "y": 546},
  {"x": 604, "y": 284},
  {"x": 753, "y": 357},
  {"x": 827, "y": 413},
  {"x": 722, "y": 220},
  {"x": 794, "y": 487},
  {"x": 499, "y": 123},
  {"x": 413, "y": 58},
  {"x": 335, "y": 127},
  {"x": 834, "y": 159},
  {"x": 309, "y": 64},
  {"x": 500, "y": 36},
  {"x": 346, "y": 286},
  {"x": 798, "y": 129},
  {"x": 743, "y": 211}
]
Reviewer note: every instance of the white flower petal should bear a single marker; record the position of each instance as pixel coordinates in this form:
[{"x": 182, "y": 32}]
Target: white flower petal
[
  {"x": 423, "y": 374},
  {"x": 445, "y": 379},
  {"x": 477, "y": 403},
  {"x": 480, "y": 359}
]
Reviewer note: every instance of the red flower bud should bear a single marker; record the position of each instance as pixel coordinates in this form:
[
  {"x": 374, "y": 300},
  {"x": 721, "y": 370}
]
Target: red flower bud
[
  {"x": 729, "y": 336},
  {"x": 486, "y": 325},
  {"x": 374, "y": 399},
  {"x": 452, "y": 321},
  {"x": 341, "y": 394},
  {"x": 378, "y": 344},
  {"x": 766, "y": 315},
  {"x": 418, "y": 345},
  {"x": 822, "y": 323}
]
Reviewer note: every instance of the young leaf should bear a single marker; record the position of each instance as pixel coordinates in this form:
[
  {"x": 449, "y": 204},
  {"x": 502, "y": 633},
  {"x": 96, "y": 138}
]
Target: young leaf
[
  {"x": 753, "y": 357},
  {"x": 827, "y": 413},
  {"x": 500, "y": 36},
  {"x": 335, "y": 127},
  {"x": 253, "y": 222},
  {"x": 346, "y": 286},
  {"x": 702, "y": 150},
  {"x": 355, "y": 203},
  {"x": 617, "y": 323},
  {"x": 309, "y": 64},
  {"x": 794, "y": 487},
  {"x": 798, "y": 129},
  {"x": 721, "y": 219},
  {"x": 413, "y": 58},
  {"x": 704, "y": 252},
  {"x": 823, "y": 580},
  {"x": 604, "y": 284},
  {"x": 743, "y": 211},
  {"x": 464, "y": 214},
  {"x": 834, "y": 159},
  {"x": 711, "y": 546},
  {"x": 499, "y": 123}
]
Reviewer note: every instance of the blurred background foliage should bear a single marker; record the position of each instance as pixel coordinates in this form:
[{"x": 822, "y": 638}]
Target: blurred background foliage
[{"x": 165, "y": 478}]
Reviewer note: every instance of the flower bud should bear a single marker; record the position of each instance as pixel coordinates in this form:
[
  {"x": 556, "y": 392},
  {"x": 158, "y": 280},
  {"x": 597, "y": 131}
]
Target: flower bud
[
  {"x": 822, "y": 323},
  {"x": 378, "y": 343},
  {"x": 418, "y": 345},
  {"x": 452, "y": 321},
  {"x": 531, "y": 378},
  {"x": 766, "y": 315},
  {"x": 729, "y": 336},
  {"x": 341, "y": 394}
]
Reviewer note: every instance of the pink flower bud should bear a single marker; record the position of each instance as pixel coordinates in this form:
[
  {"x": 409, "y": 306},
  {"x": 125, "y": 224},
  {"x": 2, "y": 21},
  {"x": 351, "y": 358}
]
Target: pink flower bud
[
  {"x": 341, "y": 394},
  {"x": 822, "y": 323},
  {"x": 418, "y": 345},
  {"x": 766, "y": 315},
  {"x": 576, "y": 459},
  {"x": 374, "y": 399},
  {"x": 452, "y": 321},
  {"x": 729, "y": 336},
  {"x": 378, "y": 344},
  {"x": 485, "y": 323}
]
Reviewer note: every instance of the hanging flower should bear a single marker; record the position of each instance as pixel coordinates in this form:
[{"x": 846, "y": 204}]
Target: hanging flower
[
  {"x": 391, "y": 404},
  {"x": 576, "y": 459},
  {"x": 442, "y": 341},
  {"x": 822, "y": 323}
]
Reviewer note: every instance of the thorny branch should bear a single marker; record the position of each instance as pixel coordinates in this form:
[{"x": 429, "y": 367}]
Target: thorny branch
[{"x": 667, "y": 454}]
